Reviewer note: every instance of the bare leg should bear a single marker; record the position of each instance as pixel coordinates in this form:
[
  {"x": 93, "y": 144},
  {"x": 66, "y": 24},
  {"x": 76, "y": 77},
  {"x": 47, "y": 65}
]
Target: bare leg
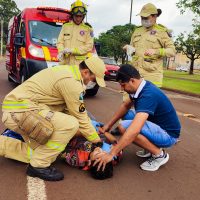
[{"x": 143, "y": 142}]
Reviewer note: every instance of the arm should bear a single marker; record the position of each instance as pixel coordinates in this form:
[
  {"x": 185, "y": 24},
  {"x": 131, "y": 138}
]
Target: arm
[
  {"x": 167, "y": 48},
  {"x": 128, "y": 137},
  {"x": 60, "y": 42},
  {"x": 131, "y": 133},
  {"x": 110, "y": 137},
  {"x": 125, "y": 106},
  {"x": 71, "y": 90}
]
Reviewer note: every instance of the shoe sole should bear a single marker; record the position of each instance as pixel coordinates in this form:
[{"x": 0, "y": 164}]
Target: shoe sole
[
  {"x": 32, "y": 174},
  {"x": 144, "y": 156},
  {"x": 155, "y": 169}
]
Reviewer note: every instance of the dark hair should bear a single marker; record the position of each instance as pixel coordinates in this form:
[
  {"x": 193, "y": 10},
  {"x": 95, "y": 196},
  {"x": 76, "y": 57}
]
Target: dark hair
[
  {"x": 126, "y": 72},
  {"x": 83, "y": 65},
  {"x": 159, "y": 13},
  {"x": 101, "y": 175}
]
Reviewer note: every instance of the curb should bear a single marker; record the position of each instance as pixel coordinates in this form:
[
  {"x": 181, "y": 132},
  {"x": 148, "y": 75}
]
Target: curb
[{"x": 181, "y": 92}]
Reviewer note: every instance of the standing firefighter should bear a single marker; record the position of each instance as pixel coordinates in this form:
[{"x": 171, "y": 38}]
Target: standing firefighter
[
  {"x": 151, "y": 42},
  {"x": 48, "y": 109},
  {"x": 75, "y": 41}
]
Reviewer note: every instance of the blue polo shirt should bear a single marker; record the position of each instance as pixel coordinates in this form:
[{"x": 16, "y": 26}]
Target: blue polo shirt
[{"x": 150, "y": 99}]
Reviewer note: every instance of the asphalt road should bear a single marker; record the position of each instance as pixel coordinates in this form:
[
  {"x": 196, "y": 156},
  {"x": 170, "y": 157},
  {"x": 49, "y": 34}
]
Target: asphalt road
[{"x": 179, "y": 179}]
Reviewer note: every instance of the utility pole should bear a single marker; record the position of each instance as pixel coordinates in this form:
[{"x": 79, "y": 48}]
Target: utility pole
[
  {"x": 1, "y": 37},
  {"x": 131, "y": 11}
]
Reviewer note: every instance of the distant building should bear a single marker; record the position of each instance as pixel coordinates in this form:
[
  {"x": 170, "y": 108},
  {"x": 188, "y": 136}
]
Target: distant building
[{"x": 182, "y": 60}]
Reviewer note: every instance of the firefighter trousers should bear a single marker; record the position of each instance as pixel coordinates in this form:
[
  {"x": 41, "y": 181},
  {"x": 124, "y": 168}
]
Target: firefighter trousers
[
  {"x": 15, "y": 149},
  {"x": 65, "y": 127}
]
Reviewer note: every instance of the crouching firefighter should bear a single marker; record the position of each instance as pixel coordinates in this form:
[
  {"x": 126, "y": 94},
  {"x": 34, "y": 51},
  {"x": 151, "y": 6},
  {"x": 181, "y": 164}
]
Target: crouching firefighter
[{"x": 47, "y": 110}]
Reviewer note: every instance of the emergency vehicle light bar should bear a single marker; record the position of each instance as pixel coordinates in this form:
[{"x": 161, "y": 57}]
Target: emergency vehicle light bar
[{"x": 44, "y": 8}]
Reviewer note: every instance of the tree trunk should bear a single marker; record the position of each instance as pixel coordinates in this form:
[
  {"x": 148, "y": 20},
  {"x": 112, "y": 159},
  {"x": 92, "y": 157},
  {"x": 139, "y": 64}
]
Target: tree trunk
[{"x": 191, "y": 66}]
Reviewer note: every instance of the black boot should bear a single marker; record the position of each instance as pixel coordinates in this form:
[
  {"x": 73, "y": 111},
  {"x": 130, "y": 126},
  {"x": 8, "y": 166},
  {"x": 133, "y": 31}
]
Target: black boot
[
  {"x": 115, "y": 131},
  {"x": 47, "y": 174}
]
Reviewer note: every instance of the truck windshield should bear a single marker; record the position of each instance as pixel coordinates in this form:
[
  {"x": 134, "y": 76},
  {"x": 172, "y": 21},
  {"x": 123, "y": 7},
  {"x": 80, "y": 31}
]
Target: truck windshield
[{"x": 44, "y": 33}]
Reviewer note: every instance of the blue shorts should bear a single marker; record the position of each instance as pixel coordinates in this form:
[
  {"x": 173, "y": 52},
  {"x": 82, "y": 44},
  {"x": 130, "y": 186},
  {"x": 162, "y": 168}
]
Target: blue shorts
[{"x": 151, "y": 131}]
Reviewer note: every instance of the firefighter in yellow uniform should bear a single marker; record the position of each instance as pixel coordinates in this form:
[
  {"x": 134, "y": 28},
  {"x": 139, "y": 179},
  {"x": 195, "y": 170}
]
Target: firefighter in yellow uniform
[
  {"x": 47, "y": 110},
  {"x": 75, "y": 41},
  {"x": 151, "y": 43}
]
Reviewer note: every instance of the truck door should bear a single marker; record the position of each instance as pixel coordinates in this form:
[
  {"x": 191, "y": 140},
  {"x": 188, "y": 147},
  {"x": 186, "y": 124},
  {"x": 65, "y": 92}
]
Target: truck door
[{"x": 10, "y": 47}]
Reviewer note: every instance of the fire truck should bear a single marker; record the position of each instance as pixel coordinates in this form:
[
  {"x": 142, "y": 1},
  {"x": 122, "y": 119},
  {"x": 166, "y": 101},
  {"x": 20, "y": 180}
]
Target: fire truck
[{"x": 31, "y": 42}]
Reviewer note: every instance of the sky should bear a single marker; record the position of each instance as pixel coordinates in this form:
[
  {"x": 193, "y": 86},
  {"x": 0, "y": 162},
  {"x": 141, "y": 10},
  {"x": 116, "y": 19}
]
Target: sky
[{"x": 104, "y": 14}]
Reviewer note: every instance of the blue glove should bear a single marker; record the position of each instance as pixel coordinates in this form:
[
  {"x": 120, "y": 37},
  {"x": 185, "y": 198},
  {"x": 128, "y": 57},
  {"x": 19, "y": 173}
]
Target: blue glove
[
  {"x": 106, "y": 147},
  {"x": 96, "y": 124}
]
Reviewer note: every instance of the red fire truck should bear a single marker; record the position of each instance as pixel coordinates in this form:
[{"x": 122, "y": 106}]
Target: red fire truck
[{"x": 31, "y": 43}]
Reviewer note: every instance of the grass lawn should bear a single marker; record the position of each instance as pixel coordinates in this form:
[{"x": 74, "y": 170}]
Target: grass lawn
[
  {"x": 182, "y": 85},
  {"x": 177, "y": 74}
]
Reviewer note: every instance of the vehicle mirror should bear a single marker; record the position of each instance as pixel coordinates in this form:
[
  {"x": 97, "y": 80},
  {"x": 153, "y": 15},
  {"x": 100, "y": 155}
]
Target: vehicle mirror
[{"x": 19, "y": 40}]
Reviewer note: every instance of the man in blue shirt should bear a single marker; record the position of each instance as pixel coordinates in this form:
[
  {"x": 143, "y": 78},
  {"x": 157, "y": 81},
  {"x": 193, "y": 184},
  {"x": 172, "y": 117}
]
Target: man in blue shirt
[{"x": 154, "y": 124}]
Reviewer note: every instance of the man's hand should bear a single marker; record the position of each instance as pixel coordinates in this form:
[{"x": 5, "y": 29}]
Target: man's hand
[
  {"x": 102, "y": 159},
  {"x": 149, "y": 52},
  {"x": 104, "y": 129}
]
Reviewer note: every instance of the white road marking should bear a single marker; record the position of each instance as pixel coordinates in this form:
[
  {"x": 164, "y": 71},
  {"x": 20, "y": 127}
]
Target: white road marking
[
  {"x": 191, "y": 118},
  {"x": 36, "y": 189}
]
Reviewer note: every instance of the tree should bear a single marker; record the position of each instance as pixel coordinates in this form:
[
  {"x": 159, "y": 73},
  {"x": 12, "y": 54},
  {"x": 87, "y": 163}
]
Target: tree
[
  {"x": 194, "y": 6},
  {"x": 114, "y": 39},
  {"x": 8, "y": 9},
  {"x": 190, "y": 46}
]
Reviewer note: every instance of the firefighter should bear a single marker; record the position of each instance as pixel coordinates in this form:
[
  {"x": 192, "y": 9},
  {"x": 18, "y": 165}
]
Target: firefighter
[
  {"x": 48, "y": 109},
  {"x": 150, "y": 42},
  {"x": 75, "y": 41}
]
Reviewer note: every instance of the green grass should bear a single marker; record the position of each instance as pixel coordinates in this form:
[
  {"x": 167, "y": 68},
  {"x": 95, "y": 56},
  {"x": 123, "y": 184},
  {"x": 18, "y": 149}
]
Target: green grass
[
  {"x": 182, "y": 85},
  {"x": 185, "y": 75}
]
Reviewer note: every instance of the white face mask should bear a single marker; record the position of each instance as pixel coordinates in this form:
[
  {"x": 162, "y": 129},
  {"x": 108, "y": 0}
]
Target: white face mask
[
  {"x": 90, "y": 85},
  {"x": 146, "y": 23}
]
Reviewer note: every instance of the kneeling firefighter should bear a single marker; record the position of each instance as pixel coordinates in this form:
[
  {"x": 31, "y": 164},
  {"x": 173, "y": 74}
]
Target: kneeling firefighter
[{"x": 47, "y": 110}]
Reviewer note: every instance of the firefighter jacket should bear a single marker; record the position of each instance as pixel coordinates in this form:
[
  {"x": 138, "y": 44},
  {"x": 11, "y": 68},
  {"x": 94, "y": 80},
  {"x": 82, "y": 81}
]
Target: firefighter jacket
[
  {"x": 57, "y": 89},
  {"x": 79, "y": 39},
  {"x": 157, "y": 38}
]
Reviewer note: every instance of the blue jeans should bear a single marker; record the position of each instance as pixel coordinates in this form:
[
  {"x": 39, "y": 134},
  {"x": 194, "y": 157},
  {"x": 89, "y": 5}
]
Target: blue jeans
[{"x": 151, "y": 131}]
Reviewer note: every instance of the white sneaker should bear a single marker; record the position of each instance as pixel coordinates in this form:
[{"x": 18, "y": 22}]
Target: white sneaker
[
  {"x": 153, "y": 163},
  {"x": 143, "y": 153}
]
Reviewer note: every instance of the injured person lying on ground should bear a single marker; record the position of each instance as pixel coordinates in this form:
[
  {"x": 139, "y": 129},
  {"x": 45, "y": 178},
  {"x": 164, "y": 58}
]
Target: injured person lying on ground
[{"x": 78, "y": 153}]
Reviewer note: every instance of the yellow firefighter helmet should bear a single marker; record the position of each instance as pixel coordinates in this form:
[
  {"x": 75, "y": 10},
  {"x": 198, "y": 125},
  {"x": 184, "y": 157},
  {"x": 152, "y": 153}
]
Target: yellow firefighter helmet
[{"x": 78, "y": 7}]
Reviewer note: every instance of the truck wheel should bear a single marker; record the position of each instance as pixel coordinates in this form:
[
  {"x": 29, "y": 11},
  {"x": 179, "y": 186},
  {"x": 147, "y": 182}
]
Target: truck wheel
[
  {"x": 23, "y": 74},
  {"x": 93, "y": 91}
]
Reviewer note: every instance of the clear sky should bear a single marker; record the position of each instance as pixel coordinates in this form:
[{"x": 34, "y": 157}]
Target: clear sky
[{"x": 103, "y": 14}]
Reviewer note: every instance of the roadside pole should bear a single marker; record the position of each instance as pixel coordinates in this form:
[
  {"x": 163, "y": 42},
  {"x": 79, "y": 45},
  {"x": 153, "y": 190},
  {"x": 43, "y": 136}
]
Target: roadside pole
[
  {"x": 131, "y": 12},
  {"x": 1, "y": 37}
]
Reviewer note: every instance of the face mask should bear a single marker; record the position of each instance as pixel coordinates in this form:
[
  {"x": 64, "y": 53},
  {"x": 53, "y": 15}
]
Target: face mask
[
  {"x": 146, "y": 23},
  {"x": 90, "y": 85}
]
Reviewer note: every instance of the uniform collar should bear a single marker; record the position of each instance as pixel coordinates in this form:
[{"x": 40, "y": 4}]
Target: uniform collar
[{"x": 142, "y": 84}]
